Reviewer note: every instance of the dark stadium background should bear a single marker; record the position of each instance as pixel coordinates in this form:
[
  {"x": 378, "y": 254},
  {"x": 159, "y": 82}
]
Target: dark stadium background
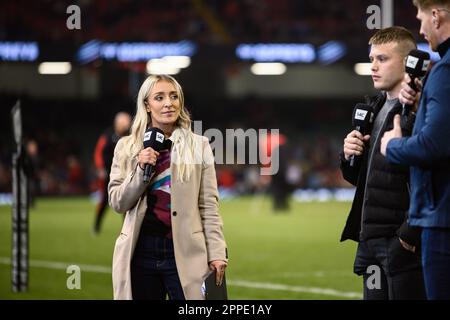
[{"x": 65, "y": 114}]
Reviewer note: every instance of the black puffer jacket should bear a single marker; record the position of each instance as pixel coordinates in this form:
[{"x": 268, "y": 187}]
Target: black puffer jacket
[{"x": 382, "y": 210}]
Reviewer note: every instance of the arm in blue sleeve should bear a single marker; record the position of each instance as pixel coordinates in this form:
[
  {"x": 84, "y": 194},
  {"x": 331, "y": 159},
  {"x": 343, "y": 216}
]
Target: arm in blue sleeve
[{"x": 432, "y": 142}]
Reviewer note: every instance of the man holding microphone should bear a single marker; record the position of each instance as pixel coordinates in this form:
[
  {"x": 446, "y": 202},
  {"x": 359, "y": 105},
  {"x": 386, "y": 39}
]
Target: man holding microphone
[
  {"x": 427, "y": 151},
  {"x": 377, "y": 219}
]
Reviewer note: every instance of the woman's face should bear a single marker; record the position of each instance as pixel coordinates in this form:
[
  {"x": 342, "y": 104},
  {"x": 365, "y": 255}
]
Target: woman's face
[{"x": 163, "y": 103}]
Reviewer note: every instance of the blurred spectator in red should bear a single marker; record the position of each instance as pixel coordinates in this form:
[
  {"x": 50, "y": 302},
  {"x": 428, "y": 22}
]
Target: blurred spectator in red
[
  {"x": 104, "y": 152},
  {"x": 225, "y": 177},
  {"x": 75, "y": 177},
  {"x": 5, "y": 178},
  {"x": 280, "y": 188},
  {"x": 33, "y": 166}
]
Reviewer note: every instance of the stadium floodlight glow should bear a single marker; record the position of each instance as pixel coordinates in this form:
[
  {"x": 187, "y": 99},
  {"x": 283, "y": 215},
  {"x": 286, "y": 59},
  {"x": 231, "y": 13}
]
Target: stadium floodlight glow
[
  {"x": 88, "y": 52},
  {"x": 55, "y": 68},
  {"x": 274, "y": 68},
  {"x": 159, "y": 66},
  {"x": 282, "y": 52},
  {"x": 19, "y": 51},
  {"x": 363, "y": 69},
  {"x": 134, "y": 51},
  {"x": 331, "y": 52},
  {"x": 179, "y": 62}
]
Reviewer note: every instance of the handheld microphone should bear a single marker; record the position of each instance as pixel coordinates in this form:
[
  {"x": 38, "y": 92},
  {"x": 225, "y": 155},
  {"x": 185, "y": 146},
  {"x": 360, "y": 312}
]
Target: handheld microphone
[
  {"x": 417, "y": 64},
  {"x": 362, "y": 121},
  {"x": 153, "y": 138}
]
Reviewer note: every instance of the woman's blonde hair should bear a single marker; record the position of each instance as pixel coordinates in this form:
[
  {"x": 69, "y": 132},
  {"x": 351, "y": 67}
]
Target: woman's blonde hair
[{"x": 182, "y": 136}]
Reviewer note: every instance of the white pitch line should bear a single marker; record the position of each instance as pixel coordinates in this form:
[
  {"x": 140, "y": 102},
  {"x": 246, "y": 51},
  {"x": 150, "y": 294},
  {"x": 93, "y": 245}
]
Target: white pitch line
[
  {"x": 283, "y": 287},
  {"x": 236, "y": 283},
  {"x": 61, "y": 265}
]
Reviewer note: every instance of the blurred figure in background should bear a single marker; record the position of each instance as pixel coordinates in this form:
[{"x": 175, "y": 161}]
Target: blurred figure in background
[
  {"x": 75, "y": 175},
  {"x": 104, "y": 152},
  {"x": 279, "y": 188},
  {"x": 32, "y": 164}
]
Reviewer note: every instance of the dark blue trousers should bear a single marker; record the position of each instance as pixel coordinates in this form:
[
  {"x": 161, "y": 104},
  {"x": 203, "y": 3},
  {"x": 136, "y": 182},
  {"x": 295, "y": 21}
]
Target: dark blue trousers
[
  {"x": 153, "y": 270},
  {"x": 436, "y": 262}
]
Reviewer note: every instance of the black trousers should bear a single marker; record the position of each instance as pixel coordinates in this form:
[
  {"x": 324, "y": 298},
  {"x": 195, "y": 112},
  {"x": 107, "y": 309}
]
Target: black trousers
[
  {"x": 101, "y": 206},
  {"x": 399, "y": 270}
]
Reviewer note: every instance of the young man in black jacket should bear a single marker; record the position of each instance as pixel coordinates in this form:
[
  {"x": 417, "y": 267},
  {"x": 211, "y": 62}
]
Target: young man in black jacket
[{"x": 387, "y": 251}]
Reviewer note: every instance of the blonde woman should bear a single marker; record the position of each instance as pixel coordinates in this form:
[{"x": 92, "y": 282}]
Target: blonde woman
[{"x": 172, "y": 234}]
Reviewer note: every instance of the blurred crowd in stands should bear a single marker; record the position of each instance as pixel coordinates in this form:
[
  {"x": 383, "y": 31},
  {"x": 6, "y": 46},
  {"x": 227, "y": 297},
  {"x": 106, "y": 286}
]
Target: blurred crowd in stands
[
  {"x": 61, "y": 153},
  {"x": 61, "y": 135},
  {"x": 206, "y": 22}
]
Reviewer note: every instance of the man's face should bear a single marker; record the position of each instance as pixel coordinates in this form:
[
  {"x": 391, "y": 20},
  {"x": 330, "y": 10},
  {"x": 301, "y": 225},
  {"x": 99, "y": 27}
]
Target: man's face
[
  {"x": 388, "y": 66},
  {"x": 426, "y": 27}
]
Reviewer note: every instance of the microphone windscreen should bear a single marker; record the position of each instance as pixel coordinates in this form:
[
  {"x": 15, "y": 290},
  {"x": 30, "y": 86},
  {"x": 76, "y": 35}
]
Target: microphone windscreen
[
  {"x": 417, "y": 63},
  {"x": 154, "y": 138},
  {"x": 362, "y": 115}
]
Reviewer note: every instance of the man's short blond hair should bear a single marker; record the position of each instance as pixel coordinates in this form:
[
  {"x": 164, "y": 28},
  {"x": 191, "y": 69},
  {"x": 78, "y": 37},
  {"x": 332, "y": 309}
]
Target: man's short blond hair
[
  {"x": 427, "y": 4},
  {"x": 402, "y": 36}
]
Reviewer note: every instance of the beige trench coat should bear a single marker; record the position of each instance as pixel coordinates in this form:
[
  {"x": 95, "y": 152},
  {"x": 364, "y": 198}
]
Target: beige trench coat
[{"x": 196, "y": 224}]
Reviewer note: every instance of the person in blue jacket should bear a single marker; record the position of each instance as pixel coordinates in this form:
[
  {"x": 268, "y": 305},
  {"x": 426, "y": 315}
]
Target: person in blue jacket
[{"x": 427, "y": 151}]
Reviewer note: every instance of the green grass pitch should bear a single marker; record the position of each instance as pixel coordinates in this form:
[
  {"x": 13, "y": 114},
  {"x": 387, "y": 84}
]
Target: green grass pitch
[{"x": 293, "y": 255}]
